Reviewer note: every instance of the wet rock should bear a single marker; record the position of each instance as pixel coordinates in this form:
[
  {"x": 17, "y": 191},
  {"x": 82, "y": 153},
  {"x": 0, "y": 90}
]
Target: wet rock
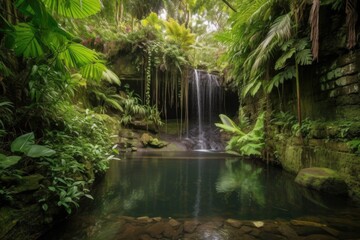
[
  {"x": 144, "y": 219},
  {"x": 270, "y": 227},
  {"x": 235, "y": 223},
  {"x": 255, "y": 232},
  {"x": 148, "y": 140},
  {"x": 7, "y": 220},
  {"x": 157, "y": 219},
  {"x": 174, "y": 223},
  {"x": 145, "y": 237},
  {"x": 28, "y": 183},
  {"x": 258, "y": 224},
  {"x": 331, "y": 231},
  {"x": 318, "y": 237},
  {"x": 288, "y": 232},
  {"x": 190, "y": 226},
  {"x": 246, "y": 229},
  {"x": 322, "y": 179},
  {"x": 128, "y": 219},
  {"x": 306, "y": 223},
  {"x": 271, "y": 236},
  {"x": 170, "y": 232},
  {"x": 131, "y": 232},
  {"x": 308, "y": 230},
  {"x": 155, "y": 230},
  {"x": 247, "y": 237}
]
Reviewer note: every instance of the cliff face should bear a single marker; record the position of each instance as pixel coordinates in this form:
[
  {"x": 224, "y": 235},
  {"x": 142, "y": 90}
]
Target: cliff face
[{"x": 330, "y": 132}]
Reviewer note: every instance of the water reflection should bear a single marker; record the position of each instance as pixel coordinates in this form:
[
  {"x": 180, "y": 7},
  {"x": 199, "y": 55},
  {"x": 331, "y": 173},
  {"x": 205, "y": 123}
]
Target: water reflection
[
  {"x": 193, "y": 186},
  {"x": 227, "y": 187},
  {"x": 242, "y": 178}
]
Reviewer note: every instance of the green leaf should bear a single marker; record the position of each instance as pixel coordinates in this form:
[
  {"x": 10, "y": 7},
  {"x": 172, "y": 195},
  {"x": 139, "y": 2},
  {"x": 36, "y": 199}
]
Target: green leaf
[
  {"x": 304, "y": 57},
  {"x": 77, "y": 55},
  {"x": 93, "y": 70},
  {"x": 110, "y": 77},
  {"x": 74, "y": 8},
  {"x": 228, "y": 125},
  {"x": 36, "y": 151},
  {"x": 23, "y": 143},
  {"x": 27, "y": 42},
  {"x": 8, "y": 161},
  {"x": 281, "y": 62},
  {"x": 45, "y": 207},
  {"x": 255, "y": 89}
]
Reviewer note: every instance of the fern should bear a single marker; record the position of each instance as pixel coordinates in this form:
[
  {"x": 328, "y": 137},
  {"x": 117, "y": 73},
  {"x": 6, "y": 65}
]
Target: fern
[
  {"x": 250, "y": 143},
  {"x": 304, "y": 57}
]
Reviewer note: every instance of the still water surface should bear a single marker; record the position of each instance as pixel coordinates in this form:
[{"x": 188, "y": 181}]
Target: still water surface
[{"x": 201, "y": 185}]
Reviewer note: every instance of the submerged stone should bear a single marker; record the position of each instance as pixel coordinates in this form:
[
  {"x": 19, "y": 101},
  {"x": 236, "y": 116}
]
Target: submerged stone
[
  {"x": 322, "y": 179},
  {"x": 233, "y": 222},
  {"x": 190, "y": 226}
]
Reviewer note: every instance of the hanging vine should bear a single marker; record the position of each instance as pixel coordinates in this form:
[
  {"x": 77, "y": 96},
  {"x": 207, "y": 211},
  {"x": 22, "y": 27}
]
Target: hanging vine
[{"x": 148, "y": 76}]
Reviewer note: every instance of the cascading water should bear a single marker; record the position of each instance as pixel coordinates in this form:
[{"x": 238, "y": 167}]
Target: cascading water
[{"x": 205, "y": 103}]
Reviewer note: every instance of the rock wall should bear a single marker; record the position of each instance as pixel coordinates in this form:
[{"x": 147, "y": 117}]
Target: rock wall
[
  {"x": 330, "y": 97},
  {"x": 339, "y": 86},
  {"x": 295, "y": 153}
]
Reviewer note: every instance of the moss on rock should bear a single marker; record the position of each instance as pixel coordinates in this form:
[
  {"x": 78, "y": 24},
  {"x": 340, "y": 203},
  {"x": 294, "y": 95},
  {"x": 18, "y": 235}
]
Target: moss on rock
[{"x": 322, "y": 179}]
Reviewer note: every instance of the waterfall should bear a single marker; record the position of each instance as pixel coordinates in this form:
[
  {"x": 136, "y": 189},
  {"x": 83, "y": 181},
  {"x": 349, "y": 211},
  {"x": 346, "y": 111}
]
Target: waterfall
[{"x": 206, "y": 97}]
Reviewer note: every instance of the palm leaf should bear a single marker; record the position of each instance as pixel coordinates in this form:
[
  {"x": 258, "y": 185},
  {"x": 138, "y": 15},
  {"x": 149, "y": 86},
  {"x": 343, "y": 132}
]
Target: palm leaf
[
  {"x": 304, "y": 57},
  {"x": 110, "y": 77},
  {"x": 77, "y": 55},
  {"x": 93, "y": 70},
  {"x": 74, "y": 8},
  {"x": 228, "y": 125},
  {"x": 27, "y": 42}
]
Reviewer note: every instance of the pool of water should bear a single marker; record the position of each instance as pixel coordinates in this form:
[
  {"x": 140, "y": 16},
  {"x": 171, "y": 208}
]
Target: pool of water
[{"x": 198, "y": 185}]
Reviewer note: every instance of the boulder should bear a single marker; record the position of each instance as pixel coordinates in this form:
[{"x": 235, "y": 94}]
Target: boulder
[
  {"x": 148, "y": 140},
  {"x": 322, "y": 179}
]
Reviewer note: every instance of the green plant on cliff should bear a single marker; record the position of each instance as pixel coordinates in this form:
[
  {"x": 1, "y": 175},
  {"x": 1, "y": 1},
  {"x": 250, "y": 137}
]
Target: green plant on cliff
[
  {"x": 250, "y": 143},
  {"x": 355, "y": 146},
  {"x": 37, "y": 62}
]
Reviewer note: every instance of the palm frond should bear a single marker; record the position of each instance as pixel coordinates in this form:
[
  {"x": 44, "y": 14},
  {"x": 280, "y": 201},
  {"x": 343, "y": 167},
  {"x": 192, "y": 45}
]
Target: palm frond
[
  {"x": 76, "y": 55},
  {"x": 27, "y": 42},
  {"x": 304, "y": 57},
  {"x": 110, "y": 77},
  {"x": 74, "y": 8},
  {"x": 93, "y": 70}
]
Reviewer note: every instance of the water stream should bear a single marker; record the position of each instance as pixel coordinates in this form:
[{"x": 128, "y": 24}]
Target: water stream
[{"x": 206, "y": 99}]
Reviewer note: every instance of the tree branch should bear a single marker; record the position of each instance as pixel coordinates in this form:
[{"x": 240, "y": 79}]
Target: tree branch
[{"x": 229, "y": 5}]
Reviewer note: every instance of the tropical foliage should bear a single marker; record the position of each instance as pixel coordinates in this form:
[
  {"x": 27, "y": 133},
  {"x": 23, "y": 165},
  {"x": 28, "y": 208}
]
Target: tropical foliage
[
  {"x": 270, "y": 41},
  {"x": 250, "y": 143},
  {"x": 44, "y": 69}
]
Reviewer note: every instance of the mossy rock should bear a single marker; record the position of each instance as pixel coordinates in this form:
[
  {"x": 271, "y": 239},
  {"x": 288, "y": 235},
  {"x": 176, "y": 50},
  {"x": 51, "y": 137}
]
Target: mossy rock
[
  {"x": 148, "y": 140},
  {"x": 322, "y": 179}
]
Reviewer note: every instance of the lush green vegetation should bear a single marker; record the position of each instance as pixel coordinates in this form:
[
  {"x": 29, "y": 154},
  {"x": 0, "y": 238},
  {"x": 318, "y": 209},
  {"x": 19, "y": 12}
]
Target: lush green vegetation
[{"x": 60, "y": 97}]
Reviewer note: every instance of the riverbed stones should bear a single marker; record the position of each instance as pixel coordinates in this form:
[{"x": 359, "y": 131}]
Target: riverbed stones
[
  {"x": 233, "y": 222},
  {"x": 288, "y": 232},
  {"x": 174, "y": 223},
  {"x": 322, "y": 179},
  {"x": 216, "y": 228},
  {"x": 190, "y": 226}
]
